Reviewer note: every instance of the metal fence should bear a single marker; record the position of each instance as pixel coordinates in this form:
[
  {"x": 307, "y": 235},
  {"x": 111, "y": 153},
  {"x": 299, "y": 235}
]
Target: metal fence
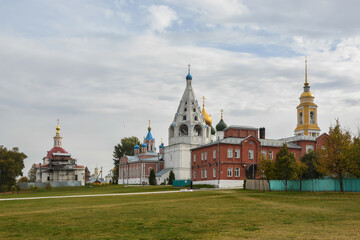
[{"x": 316, "y": 185}]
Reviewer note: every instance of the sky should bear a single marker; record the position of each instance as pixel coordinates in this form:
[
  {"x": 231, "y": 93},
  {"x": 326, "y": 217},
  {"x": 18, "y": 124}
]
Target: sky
[{"x": 104, "y": 68}]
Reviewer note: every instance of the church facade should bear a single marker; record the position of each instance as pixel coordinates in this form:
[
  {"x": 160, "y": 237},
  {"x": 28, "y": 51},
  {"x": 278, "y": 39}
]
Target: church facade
[
  {"x": 190, "y": 128},
  {"x": 58, "y": 165}
]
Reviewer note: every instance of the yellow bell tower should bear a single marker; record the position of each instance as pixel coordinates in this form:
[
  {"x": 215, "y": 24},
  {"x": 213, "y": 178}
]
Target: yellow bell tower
[{"x": 307, "y": 112}]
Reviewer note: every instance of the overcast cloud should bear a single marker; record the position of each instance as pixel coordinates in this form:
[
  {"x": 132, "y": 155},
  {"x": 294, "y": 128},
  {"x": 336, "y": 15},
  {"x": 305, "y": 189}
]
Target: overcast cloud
[{"x": 106, "y": 67}]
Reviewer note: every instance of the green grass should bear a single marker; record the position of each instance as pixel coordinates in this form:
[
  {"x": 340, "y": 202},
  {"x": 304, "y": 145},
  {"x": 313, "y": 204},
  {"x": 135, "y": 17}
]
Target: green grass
[
  {"x": 220, "y": 214},
  {"x": 85, "y": 190}
]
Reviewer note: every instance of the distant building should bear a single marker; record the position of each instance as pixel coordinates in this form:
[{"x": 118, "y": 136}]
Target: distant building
[
  {"x": 58, "y": 165},
  {"x": 136, "y": 169}
]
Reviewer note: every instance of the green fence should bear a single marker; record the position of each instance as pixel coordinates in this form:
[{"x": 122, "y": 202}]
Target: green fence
[
  {"x": 316, "y": 185},
  {"x": 181, "y": 183}
]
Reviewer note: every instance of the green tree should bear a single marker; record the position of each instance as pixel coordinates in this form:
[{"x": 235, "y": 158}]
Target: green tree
[
  {"x": 11, "y": 165},
  {"x": 171, "y": 177},
  {"x": 266, "y": 168},
  {"x": 311, "y": 160},
  {"x": 152, "y": 177},
  {"x": 23, "y": 179},
  {"x": 284, "y": 165},
  {"x": 354, "y": 157},
  {"x": 300, "y": 169},
  {"x": 32, "y": 173},
  {"x": 333, "y": 159},
  {"x": 125, "y": 147}
]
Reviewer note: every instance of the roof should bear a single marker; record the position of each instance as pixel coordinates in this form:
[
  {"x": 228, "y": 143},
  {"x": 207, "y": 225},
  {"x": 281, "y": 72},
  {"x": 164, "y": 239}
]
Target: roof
[
  {"x": 55, "y": 150},
  {"x": 241, "y": 127},
  {"x": 299, "y": 138},
  {"x": 62, "y": 154},
  {"x": 154, "y": 157},
  {"x": 162, "y": 172},
  {"x": 263, "y": 142},
  {"x": 221, "y": 125},
  {"x": 149, "y": 136},
  {"x": 277, "y": 143}
]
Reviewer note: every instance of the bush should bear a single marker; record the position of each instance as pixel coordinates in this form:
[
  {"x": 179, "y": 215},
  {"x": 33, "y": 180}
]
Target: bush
[
  {"x": 4, "y": 188},
  {"x": 48, "y": 186}
]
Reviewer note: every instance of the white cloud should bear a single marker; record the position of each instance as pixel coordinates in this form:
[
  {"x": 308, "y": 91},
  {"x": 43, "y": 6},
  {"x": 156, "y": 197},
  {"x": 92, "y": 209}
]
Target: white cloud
[{"x": 162, "y": 17}]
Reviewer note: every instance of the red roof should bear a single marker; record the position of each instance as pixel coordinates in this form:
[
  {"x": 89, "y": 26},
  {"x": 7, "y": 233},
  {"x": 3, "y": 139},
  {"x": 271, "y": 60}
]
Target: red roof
[{"x": 55, "y": 150}]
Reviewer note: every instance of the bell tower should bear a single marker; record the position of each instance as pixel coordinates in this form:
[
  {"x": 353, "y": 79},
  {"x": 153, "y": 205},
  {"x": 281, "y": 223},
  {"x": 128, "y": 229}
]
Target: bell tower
[{"x": 307, "y": 112}]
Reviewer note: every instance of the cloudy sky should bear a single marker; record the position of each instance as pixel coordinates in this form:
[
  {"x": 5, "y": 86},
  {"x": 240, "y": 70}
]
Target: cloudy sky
[{"x": 105, "y": 68}]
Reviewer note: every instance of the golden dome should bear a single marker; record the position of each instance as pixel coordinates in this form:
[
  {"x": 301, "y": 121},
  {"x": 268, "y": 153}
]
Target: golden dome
[
  {"x": 58, "y": 127},
  {"x": 306, "y": 94},
  {"x": 207, "y": 118}
]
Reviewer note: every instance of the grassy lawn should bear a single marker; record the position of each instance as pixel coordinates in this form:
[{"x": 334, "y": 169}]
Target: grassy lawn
[
  {"x": 85, "y": 190},
  {"x": 220, "y": 214}
]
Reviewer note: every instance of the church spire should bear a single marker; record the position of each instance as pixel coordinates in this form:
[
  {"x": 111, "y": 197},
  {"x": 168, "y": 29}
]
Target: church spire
[
  {"x": 306, "y": 82},
  {"x": 58, "y": 138}
]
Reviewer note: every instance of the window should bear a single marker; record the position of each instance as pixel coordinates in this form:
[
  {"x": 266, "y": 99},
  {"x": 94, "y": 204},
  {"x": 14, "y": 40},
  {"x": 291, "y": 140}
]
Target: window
[
  {"x": 195, "y": 118},
  {"x": 205, "y": 173},
  {"x": 185, "y": 109},
  {"x": 230, "y": 153},
  {"x": 194, "y": 175},
  {"x": 76, "y": 177},
  {"x": 309, "y": 148},
  {"x": 230, "y": 172},
  {"x": 300, "y": 118},
  {"x": 202, "y": 173},
  {"x": 271, "y": 155},
  {"x": 214, "y": 153},
  {"x": 214, "y": 172},
  {"x": 312, "y": 117},
  {"x": 237, "y": 153},
  {"x": 205, "y": 155},
  {"x": 263, "y": 153},
  {"x": 194, "y": 157},
  {"x": 194, "y": 110},
  {"x": 237, "y": 172},
  {"x": 251, "y": 154},
  {"x": 202, "y": 156},
  {"x": 184, "y": 117}
]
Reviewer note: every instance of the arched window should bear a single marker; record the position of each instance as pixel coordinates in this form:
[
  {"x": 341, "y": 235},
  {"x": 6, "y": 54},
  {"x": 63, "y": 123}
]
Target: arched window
[
  {"x": 171, "y": 131},
  {"x": 195, "y": 118},
  {"x": 183, "y": 130},
  {"x": 185, "y": 109},
  {"x": 184, "y": 117},
  {"x": 197, "y": 130},
  {"x": 312, "y": 117},
  {"x": 300, "y": 118}
]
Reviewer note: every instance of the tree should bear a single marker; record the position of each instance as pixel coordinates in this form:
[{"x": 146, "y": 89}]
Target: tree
[
  {"x": 311, "y": 160},
  {"x": 11, "y": 165},
  {"x": 333, "y": 159},
  {"x": 171, "y": 177},
  {"x": 152, "y": 177},
  {"x": 125, "y": 147},
  {"x": 284, "y": 165},
  {"x": 266, "y": 168},
  {"x": 23, "y": 179},
  {"x": 300, "y": 169},
  {"x": 354, "y": 157},
  {"x": 32, "y": 173}
]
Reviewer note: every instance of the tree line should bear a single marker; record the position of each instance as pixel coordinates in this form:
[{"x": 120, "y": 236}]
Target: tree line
[{"x": 339, "y": 158}]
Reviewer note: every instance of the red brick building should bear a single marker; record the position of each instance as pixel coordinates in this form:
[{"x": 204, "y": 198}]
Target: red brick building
[{"x": 228, "y": 161}]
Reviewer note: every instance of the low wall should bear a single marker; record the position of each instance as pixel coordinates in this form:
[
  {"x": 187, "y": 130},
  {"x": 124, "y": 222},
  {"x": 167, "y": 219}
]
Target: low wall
[
  {"x": 261, "y": 185},
  {"x": 316, "y": 185},
  {"x": 53, "y": 184},
  {"x": 222, "y": 183}
]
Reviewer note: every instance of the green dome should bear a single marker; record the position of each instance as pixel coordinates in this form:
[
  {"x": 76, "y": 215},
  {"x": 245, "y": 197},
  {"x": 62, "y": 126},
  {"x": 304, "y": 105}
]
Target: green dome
[
  {"x": 213, "y": 130},
  {"x": 221, "y": 125}
]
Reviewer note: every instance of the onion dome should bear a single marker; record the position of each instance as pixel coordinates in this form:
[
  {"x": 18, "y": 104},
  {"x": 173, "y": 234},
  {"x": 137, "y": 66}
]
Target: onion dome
[
  {"x": 221, "y": 125},
  {"x": 136, "y": 147},
  {"x": 161, "y": 146},
  {"x": 144, "y": 145},
  {"x": 188, "y": 77},
  {"x": 149, "y": 136},
  {"x": 207, "y": 118},
  {"x": 213, "y": 131}
]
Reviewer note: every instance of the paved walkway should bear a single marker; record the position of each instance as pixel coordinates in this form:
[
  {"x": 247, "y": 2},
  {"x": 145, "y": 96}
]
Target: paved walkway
[{"x": 92, "y": 195}]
